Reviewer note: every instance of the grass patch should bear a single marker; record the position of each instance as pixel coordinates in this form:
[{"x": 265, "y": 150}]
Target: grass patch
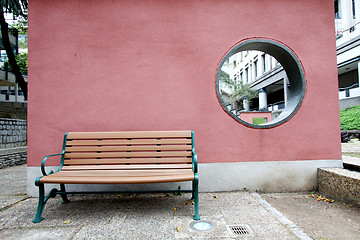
[
  {"x": 350, "y": 118},
  {"x": 357, "y": 155},
  {"x": 258, "y": 121}
]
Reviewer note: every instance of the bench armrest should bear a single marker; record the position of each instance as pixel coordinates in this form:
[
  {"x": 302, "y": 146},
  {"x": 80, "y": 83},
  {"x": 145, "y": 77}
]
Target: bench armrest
[
  {"x": 44, "y": 160},
  {"x": 194, "y": 155},
  {"x": 194, "y": 162}
]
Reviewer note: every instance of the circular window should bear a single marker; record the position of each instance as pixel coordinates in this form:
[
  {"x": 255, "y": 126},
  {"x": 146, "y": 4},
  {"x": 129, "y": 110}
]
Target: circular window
[{"x": 260, "y": 83}]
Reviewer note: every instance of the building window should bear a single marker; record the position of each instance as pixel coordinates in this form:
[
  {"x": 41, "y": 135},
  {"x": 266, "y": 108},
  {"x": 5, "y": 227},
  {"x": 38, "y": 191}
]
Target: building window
[
  {"x": 353, "y": 9},
  {"x": 264, "y": 62},
  {"x": 255, "y": 68},
  {"x": 246, "y": 74},
  {"x": 337, "y": 9}
]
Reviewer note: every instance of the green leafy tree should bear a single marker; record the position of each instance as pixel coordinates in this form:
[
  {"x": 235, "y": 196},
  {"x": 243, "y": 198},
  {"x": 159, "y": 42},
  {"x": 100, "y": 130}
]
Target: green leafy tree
[
  {"x": 21, "y": 25},
  {"x": 17, "y": 8},
  {"x": 238, "y": 90},
  {"x": 22, "y": 62}
]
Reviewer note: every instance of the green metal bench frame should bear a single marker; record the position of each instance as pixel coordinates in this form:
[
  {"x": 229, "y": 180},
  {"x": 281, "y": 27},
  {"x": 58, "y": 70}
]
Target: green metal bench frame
[{"x": 63, "y": 193}]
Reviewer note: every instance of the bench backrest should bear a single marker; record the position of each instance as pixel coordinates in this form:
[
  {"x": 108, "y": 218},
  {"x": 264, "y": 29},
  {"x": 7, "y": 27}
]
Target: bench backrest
[{"x": 140, "y": 147}]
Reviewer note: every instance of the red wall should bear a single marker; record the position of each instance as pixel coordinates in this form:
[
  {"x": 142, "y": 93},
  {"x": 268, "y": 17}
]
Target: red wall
[{"x": 151, "y": 65}]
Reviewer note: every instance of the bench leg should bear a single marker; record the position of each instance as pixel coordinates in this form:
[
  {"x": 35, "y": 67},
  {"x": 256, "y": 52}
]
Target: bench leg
[
  {"x": 41, "y": 204},
  {"x": 63, "y": 195},
  {"x": 196, "y": 197},
  {"x": 193, "y": 190},
  {"x": 42, "y": 201}
]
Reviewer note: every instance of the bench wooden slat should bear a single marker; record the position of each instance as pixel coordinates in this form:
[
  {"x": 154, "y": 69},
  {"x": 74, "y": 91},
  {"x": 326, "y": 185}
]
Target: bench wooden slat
[
  {"x": 107, "y": 142},
  {"x": 124, "y": 167},
  {"x": 128, "y": 135},
  {"x": 116, "y": 180},
  {"x": 125, "y": 161},
  {"x": 129, "y": 154},
  {"x": 124, "y": 173},
  {"x": 128, "y": 148}
]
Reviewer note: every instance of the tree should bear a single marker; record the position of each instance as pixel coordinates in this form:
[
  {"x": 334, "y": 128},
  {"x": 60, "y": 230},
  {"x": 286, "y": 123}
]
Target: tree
[
  {"x": 21, "y": 60},
  {"x": 17, "y": 8},
  {"x": 239, "y": 90}
]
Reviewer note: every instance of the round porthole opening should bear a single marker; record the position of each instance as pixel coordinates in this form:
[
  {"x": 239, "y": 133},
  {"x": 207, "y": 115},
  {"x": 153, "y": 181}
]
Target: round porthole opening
[{"x": 260, "y": 83}]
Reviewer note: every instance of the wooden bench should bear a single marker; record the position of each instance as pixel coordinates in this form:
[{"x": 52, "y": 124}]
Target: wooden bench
[{"x": 122, "y": 158}]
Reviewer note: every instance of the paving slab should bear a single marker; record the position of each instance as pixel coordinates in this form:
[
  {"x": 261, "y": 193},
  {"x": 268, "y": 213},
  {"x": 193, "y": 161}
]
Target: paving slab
[
  {"x": 144, "y": 216},
  {"x": 353, "y": 146},
  {"x": 40, "y": 233},
  {"x": 351, "y": 160},
  {"x": 316, "y": 216},
  {"x": 13, "y": 180},
  {"x": 167, "y": 216},
  {"x": 110, "y": 228},
  {"x": 6, "y": 201}
]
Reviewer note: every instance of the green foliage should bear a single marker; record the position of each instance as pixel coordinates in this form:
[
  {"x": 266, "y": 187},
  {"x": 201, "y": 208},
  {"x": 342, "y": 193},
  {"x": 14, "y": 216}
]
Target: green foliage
[
  {"x": 258, "y": 121},
  {"x": 178, "y": 193},
  {"x": 239, "y": 90},
  {"x": 350, "y": 118},
  {"x": 22, "y": 62},
  {"x": 21, "y": 25}
]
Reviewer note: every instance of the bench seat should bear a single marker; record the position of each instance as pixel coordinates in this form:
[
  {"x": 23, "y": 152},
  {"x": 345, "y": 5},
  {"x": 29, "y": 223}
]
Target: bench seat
[
  {"x": 119, "y": 176},
  {"x": 122, "y": 158}
]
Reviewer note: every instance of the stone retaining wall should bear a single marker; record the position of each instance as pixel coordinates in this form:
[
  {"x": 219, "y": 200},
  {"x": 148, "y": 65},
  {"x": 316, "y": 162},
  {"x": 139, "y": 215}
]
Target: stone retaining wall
[
  {"x": 340, "y": 184},
  {"x": 13, "y": 149},
  {"x": 13, "y": 156},
  {"x": 13, "y": 110},
  {"x": 12, "y": 133}
]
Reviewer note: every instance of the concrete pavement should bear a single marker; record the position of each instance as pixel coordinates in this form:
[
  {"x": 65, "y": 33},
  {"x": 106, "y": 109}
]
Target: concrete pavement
[
  {"x": 134, "y": 216},
  {"x": 162, "y": 216},
  {"x": 166, "y": 216}
]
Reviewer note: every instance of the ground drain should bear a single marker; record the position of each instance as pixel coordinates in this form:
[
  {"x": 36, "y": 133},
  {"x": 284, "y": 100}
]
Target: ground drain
[{"x": 239, "y": 230}]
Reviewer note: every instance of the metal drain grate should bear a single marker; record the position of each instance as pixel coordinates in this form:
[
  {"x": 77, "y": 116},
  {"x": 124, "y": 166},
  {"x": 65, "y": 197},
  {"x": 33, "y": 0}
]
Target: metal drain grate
[{"x": 239, "y": 230}]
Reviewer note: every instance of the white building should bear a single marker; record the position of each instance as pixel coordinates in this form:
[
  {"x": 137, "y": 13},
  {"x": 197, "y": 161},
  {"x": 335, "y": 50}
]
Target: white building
[
  {"x": 347, "y": 27},
  {"x": 264, "y": 74}
]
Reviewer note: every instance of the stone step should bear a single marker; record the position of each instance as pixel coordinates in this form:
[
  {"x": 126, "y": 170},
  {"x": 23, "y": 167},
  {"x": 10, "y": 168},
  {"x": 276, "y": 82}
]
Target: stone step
[
  {"x": 340, "y": 184},
  {"x": 351, "y": 163}
]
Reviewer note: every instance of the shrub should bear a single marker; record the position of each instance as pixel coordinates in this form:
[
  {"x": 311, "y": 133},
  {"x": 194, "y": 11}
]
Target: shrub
[
  {"x": 258, "y": 121},
  {"x": 350, "y": 118}
]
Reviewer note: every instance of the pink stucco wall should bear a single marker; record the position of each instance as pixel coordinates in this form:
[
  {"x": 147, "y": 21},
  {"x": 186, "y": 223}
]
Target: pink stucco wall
[{"x": 151, "y": 65}]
